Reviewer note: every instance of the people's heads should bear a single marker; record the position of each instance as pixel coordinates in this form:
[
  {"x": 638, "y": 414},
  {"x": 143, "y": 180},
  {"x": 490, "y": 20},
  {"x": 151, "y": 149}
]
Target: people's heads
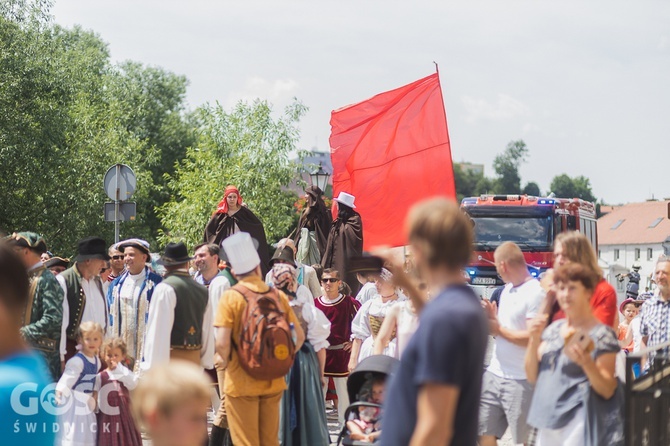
[
  {"x": 319, "y": 271},
  {"x": 105, "y": 270},
  {"x": 175, "y": 257},
  {"x": 206, "y": 258},
  {"x": 116, "y": 259},
  {"x": 510, "y": 263},
  {"x": 232, "y": 197},
  {"x": 440, "y": 236},
  {"x": 57, "y": 265},
  {"x": 629, "y": 308},
  {"x": 29, "y": 246},
  {"x": 91, "y": 256},
  {"x": 330, "y": 281},
  {"x": 242, "y": 254},
  {"x": 364, "y": 278},
  {"x": 46, "y": 256},
  {"x": 115, "y": 351},
  {"x": 171, "y": 403},
  {"x": 372, "y": 390},
  {"x": 136, "y": 254},
  {"x": 384, "y": 283},
  {"x": 285, "y": 255},
  {"x": 90, "y": 336},
  {"x": 14, "y": 290},
  {"x": 574, "y": 284},
  {"x": 344, "y": 289},
  {"x": 287, "y": 242},
  {"x": 285, "y": 277},
  {"x": 662, "y": 276},
  {"x": 573, "y": 246}
]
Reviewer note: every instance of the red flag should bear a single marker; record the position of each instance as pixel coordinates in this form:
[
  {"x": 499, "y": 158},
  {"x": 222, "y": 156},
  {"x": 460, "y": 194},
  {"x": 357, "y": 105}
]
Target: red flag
[{"x": 391, "y": 151}]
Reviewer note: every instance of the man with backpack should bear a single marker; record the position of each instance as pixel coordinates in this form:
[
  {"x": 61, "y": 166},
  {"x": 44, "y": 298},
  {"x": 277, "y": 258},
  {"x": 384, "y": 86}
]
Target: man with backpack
[{"x": 257, "y": 335}]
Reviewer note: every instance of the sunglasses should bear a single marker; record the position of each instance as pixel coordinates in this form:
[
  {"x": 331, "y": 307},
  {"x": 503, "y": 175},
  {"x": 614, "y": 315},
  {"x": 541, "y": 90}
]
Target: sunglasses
[
  {"x": 117, "y": 257},
  {"x": 330, "y": 279}
]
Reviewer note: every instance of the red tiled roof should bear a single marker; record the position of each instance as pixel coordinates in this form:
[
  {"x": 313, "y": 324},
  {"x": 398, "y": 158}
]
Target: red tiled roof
[{"x": 633, "y": 222}]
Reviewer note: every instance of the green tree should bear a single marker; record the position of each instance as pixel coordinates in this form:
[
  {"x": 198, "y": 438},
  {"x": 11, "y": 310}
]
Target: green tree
[
  {"x": 245, "y": 147},
  {"x": 466, "y": 181},
  {"x": 531, "y": 188},
  {"x": 578, "y": 187},
  {"x": 506, "y": 166}
]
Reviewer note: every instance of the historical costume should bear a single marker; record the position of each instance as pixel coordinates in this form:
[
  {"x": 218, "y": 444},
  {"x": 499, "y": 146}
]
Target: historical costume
[
  {"x": 128, "y": 297},
  {"x": 180, "y": 317},
  {"x": 42, "y": 319},
  {"x": 116, "y": 426},
  {"x": 78, "y": 422},
  {"x": 222, "y": 225},
  {"x": 303, "y": 412},
  {"x": 345, "y": 240},
  {"x": 313, "y": 228},
  {"x": 367, "y": 323}
]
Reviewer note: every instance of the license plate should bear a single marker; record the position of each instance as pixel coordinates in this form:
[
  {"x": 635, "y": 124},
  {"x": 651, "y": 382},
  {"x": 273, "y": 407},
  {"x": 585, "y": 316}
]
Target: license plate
[{"x": 483, "y": 281}]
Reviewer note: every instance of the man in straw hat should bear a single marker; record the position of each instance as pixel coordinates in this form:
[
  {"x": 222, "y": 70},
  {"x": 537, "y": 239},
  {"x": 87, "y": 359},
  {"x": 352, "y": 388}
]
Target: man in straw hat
[
  {"x": 252, "y": 405},
  {"x": 345, "y": 240},
  {"x": 180, "y": 317},
  {"x": 43, "y": 314},
  {"x": 129, "y": 296}
]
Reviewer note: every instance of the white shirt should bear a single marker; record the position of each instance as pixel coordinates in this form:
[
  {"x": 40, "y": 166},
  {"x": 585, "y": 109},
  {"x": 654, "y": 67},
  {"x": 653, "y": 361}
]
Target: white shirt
[
  {"x": 72, "y": 372},
  {"x": 318, "y": 325},
  {"x": 517, "y": 305},
  {"x": 367, "y": 292},
  {"x": 95, "y": 308},
  {"x": 121, "y": 374},
  {"x": 217, "y": 287},
  {"x": 66, "y": 320},
  {"x": 159, "y": 328}
]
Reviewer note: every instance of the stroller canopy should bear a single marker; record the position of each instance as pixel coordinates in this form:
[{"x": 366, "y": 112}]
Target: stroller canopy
[{"x": 376, "y": 365}]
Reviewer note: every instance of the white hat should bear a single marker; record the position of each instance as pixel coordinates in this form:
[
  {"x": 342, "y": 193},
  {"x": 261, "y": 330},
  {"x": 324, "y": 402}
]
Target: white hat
[
  {"x": 346, "y": 199},
  {"x": 241, "y": 252}
]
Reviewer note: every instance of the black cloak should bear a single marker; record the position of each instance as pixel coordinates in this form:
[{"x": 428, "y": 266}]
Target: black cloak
[
  {"x": 222, "y": 225},
  {"x": 345, "y": 241},
  {"x": 316, "y": 217}
]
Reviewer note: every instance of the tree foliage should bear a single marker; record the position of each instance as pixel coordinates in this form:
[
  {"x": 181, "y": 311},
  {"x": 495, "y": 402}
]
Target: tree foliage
[
  {"x": 246, "y": 147},
  {"x": 506, "y": 166},
  {"x": 66, "y": 115},
  {"x": 531, "y": 188},
  {"x": 578, "y": 187}
]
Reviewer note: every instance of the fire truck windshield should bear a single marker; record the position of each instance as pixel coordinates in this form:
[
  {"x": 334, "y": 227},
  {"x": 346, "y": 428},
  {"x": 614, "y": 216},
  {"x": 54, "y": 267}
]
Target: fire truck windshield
[{"x": 531, "y": 233}]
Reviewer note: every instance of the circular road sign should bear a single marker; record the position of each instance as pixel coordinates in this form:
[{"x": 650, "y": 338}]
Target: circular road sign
[{"x": 122, "y": 177}]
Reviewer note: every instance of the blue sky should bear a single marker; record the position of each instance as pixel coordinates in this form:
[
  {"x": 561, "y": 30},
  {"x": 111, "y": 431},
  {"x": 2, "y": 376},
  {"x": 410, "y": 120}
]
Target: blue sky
[{"x": 584, "y": 84}]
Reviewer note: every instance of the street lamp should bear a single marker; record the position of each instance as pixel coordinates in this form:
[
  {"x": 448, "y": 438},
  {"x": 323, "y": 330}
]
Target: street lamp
[{"x": 319, "y": 178}]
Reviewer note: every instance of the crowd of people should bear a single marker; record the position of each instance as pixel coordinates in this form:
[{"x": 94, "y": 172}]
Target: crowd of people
[{"x": 117, "y": 346}]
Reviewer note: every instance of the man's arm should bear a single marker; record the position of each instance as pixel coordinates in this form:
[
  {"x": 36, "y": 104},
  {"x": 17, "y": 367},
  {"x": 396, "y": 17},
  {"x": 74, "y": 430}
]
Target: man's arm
[
  {"x": 223, "y": 344},
  {"x": 436, "y": 410},
  {"x": 207, "y": 351},
  {"x": 516, "y": 337},
  {"x": 156, "y": 347}
]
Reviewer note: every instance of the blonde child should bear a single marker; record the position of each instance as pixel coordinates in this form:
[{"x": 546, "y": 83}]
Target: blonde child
[
  {"x": 74, "y": 389},
  {"x": 630, "y": 309},
  {"x": 116, "y": 426},
  {"x": 170, "y": 402}
]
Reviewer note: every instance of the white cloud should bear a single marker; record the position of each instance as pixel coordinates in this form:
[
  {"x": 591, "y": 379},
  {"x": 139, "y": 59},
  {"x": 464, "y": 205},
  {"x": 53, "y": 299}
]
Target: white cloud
[
  {"x": 505, "y": 108},
  {"x": 662, "y": 43},
  {"x": 278, "y": 92}
]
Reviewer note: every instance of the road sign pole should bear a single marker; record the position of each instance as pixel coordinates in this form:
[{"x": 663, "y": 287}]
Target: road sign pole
[{"x": 116, "y": 204}]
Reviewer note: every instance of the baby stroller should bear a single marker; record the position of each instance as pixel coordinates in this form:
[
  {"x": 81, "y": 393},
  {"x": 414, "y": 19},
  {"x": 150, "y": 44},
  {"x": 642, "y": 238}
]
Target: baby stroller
[{"x": 371, "y": 367}]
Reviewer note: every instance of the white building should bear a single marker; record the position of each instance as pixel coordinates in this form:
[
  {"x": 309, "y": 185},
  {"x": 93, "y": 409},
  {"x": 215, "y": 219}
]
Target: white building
[{"x": 634, "y": 232}]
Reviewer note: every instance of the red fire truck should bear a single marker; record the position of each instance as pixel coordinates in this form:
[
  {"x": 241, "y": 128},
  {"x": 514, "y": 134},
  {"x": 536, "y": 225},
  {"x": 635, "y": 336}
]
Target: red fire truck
[{"x": 531, "y": 222}]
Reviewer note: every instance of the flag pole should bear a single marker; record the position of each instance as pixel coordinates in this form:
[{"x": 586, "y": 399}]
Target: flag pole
[{"x": 453, "y": 176}]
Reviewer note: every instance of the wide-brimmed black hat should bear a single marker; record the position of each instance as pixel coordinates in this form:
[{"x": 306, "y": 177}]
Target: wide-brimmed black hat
[
  {"x": 366, "y": 264},
  {"x": 284, "y": 255},
  {"x": 57, "y": 261},
  {"x": 91, "y": 248},
  {"x": 175, "y": 254}
]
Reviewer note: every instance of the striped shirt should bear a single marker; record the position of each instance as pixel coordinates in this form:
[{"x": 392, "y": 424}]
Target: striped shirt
[{"x": 655, "y": 322}]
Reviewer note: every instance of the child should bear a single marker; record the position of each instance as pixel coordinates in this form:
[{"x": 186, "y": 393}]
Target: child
[
  {"x": 629, "y": 309},
  {"x": 171, "y": 401},
  {"x": 74, "y": 389},
  {"x": 111, "y": 391},
  {"x": 368, "y": 425}
]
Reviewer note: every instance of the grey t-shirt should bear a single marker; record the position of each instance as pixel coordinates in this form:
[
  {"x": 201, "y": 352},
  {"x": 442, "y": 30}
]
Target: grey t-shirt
[{"x": 562, "y": 385}]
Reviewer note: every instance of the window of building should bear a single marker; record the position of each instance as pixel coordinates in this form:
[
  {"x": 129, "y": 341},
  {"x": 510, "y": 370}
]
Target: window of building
[
  {"x": 656, "y": 222},
  {"x": 619, "y": 286},
  {"x": 650, "y": 253},
  {"x": 637, "y": 253},
  {"x": 617, "y": 224},
  {"x": 599, "y": 253},
  {"x": 616, "y": 255}
]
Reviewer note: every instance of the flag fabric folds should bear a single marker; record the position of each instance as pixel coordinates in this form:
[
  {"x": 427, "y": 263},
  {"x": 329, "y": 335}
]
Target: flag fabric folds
[{"x": 390, "y": 151}]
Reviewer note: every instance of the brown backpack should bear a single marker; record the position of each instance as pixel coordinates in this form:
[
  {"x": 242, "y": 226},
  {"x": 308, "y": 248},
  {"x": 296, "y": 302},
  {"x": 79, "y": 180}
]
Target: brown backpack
[{"x": 265, "y": 348}]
